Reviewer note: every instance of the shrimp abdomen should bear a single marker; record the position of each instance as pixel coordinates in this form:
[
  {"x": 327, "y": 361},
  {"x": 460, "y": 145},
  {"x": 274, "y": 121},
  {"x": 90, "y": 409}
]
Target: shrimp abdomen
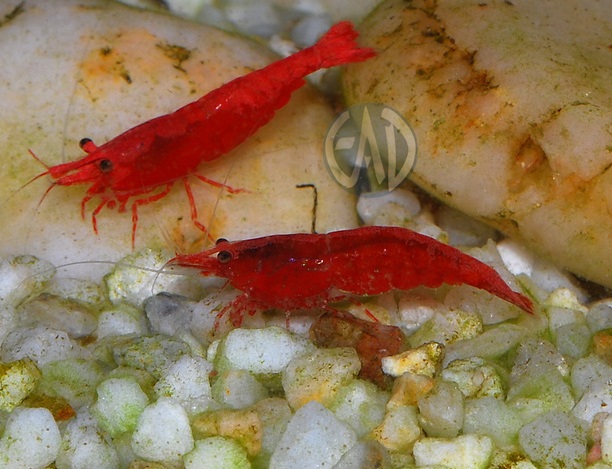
[{"x": 382, "y": 259}]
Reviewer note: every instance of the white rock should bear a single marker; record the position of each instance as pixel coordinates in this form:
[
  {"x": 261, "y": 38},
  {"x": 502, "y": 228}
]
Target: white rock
[
  {"x": 61, "y": 314},
  {"x": 494, "y": 418},
  {"x": 361, "y": 405},
  {"x": 188, "y": 8},
  {"x": 447, "y": 326},
  {"x": 364, "y": 455},
  {"x": 255, "y": 17},
  {"x": 217, "y": 452},
  {"x": 152, "y": 353},
  {"x": 238, "y": 389},
  {"x": 475, "y": 378},
  {"x": 343, "y": 9},
  {"x": 599, "y": 316},
  {"x": 83, "y": 447},
  {"x": 163, "y": 432},
  {"x": 597, "y": 398},
  {"x": 120, "y": 402},
  {"x": 310, "y": 28},
  {"x": 554, "y": 440},
  {"x": 510, "y": 460},
  {"x": 393, "y": 208},
  {"x": 517, "y": 259},
  {"x": 8, "y": 321},
  {"x": 41, "y": 344},
  {"x": 75, "y": 379},
  {"x": 565, "y": 298},
  {"x": 319, "y": 375},
  {"x": 274, "y": 414},
  {"x": 122, "y": 320},
  {"x": 415, "y": 311},
  {"x": 83, "y": 291},
  {"x": 140, "y": 275},
  {"x": 186, "y": 381},
  {"x": 31, "y": 439},
  {"x": 314, "y": 438},
  {"x": 463, "y": 452},
  {"x": 17, "y": 380},
  {"x": 399, "y": 429},
  {"x": 462, "y": 229},
  {"x": 588, "y": 371},
  {"x": 423, "y": 360},
  {"x": 491, "y": 343},
  {"x": 441, "y": 411},
  {"x": 530, "y": 106},
  {"x": 266, "y": 350},
  {"x": 21, "y": 276}
]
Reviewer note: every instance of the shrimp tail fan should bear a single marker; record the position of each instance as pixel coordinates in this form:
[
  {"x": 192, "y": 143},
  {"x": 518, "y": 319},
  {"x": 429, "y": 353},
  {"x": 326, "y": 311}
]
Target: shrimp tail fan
[{"x": 339, "y": 46}]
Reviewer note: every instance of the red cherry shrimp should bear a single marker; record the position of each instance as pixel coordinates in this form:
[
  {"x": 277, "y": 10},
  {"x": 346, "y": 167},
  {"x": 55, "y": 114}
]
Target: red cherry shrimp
[
  {"x": 293, "y": 272},
  {"x": 141, "y": 165}
]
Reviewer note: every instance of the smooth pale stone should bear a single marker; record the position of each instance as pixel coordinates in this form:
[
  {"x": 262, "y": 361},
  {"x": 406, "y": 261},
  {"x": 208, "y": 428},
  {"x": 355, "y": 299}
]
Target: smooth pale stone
[
  {"x": 94, "y": 69},
  {"x": 554, "y": 439},
  {"x": 512, "y": 112},
  {"x": 84, "y": 446},
  {"x": 267, "y": 350},
  {"x": 163, "y": 432},
  {"x": 463, "y": 452},
  {"x": 30, "y": 439},
  {"x": 120, "y": 403},
  {"x": 218, "y": 452},
  {"x": 313, "y": 438},
  {"x": 337, "y": 9}
]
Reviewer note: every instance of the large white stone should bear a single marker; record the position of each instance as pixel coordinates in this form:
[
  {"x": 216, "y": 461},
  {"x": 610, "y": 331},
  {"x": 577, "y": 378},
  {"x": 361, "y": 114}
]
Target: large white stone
[{"x": 512, "y": 111}]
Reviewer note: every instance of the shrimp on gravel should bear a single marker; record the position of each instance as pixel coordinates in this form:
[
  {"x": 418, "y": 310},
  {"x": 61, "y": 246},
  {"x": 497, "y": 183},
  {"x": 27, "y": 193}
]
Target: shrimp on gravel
[{"x": 306, "y": 271}]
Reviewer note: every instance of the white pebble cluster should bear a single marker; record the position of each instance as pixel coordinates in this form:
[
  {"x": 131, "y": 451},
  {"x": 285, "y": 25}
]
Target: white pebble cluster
[{"x": 480, "y": 384}]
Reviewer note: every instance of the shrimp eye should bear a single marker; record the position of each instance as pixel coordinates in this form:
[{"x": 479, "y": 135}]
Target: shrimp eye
[
  {"x": 105, "y": 165},
  {"x": 224, "y": 257},
  {"x": 220, "y": 240},
  {"x": 84, "y": 142}
]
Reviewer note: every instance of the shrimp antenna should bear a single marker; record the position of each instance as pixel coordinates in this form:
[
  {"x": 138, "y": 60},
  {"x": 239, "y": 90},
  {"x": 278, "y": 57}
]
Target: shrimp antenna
[
  {"x": 222, "y": 187},
  {"x": 78, "y": 81},
  {"x": 51, "y": 186},
  {"x": 160, "y": 271},
  {"x": 315, "y": 204},
  {"x": 157, "y": 272},
  {"x": 165, "y": 233},
  {"x": 34, "y": 179},
  {"x": 41, "y": 162},
  {"x": 38, "y": 176}
]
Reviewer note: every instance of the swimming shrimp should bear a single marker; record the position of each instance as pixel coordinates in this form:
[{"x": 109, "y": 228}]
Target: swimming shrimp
[
  {"x": 141, "y": 165},
  {"x": 306, "y": 271}
]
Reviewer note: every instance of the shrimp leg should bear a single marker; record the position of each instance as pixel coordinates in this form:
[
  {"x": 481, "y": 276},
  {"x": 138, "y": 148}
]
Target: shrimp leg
[{"x": 145, "y": 201}]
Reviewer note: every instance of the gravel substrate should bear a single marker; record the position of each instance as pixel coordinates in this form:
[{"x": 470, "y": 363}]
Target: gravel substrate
[{"x": 127, "y": 371}]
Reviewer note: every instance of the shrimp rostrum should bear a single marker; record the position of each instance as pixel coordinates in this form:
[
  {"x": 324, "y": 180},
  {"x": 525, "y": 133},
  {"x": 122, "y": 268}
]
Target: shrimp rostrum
[{"x": 309, "y": 271}]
